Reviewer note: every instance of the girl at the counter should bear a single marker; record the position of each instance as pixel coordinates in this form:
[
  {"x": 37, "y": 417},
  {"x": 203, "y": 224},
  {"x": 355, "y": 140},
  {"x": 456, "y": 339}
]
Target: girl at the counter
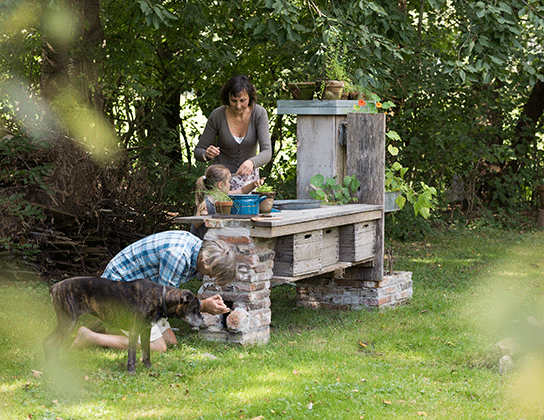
[{"x": 216, "y": 177}]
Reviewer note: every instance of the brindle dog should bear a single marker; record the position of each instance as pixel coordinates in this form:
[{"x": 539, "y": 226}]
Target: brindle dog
[{"x": 131, "y": 305}]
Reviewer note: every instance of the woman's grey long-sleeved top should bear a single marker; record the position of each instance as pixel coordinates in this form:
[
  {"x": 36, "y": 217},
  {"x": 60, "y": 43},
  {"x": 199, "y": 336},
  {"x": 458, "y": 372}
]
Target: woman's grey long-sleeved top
[{"x": 233, "y": 154}]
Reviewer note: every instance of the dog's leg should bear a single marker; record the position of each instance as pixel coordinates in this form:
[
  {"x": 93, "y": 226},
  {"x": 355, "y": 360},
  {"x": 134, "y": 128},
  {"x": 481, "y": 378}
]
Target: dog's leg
[
  {"x": 53, "y": 342},
  {"x": 132, "y": 347},
  {"x": 145, "y": 333}
]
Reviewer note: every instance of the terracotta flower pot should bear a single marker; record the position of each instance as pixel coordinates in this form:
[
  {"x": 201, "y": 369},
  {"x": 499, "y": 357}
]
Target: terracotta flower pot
[
  {"x": 265, "y": 206},
  {"x": 332, "y": 91},
  {"x": 223, "y": 207}
]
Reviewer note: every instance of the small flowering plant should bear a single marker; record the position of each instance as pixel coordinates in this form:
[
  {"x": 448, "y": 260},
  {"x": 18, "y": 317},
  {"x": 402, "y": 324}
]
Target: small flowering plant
[
  {"x": 420, "y": 197},
  {"x": 373, "y": 105}
]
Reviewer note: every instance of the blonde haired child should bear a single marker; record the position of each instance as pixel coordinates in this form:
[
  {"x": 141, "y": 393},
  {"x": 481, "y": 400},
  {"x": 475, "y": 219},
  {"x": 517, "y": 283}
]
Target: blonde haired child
[{"x": 216, "y": 177}]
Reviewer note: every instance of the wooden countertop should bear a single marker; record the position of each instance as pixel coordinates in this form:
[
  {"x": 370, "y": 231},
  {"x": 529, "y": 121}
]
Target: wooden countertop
[{"x": 289, "y": 222}]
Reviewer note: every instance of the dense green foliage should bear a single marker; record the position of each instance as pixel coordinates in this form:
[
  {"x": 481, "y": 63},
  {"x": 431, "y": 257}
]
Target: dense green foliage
[{"x": 466, "y": 77}]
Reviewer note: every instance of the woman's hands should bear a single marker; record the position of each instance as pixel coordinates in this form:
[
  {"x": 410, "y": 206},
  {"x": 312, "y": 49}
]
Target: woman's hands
[
  {"x": 246, "y": 168},
  {"x": 214, "y": 305},
  {"x": 211, "y": 152}
]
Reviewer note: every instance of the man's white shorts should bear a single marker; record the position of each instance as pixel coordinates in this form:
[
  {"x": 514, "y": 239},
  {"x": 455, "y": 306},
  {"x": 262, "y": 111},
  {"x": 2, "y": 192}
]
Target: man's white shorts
[{"x": 157, "y": 328}]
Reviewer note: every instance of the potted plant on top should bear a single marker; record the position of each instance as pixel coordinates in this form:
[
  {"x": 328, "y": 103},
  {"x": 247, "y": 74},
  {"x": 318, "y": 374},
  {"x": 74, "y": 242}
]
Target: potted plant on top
[
  {"x": 358, "y": 87},
  {"x": 303, "y": 85},
  {"x": 265, "y": 206},
  {"x": 335, "y": 74},
  {"x": 223, "y": 203}
]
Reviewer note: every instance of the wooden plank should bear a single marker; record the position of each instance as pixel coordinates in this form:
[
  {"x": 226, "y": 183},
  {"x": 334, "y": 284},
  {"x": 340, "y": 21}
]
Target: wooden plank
[
  {"x": 283, "y": 230},
  {"x": 365, "y": 151},
  {"x": 290, "y": 217},
  {"x": 324, "y": 212},
  {"x": 191, "y": 219},
  {"x": 330, "y": 251},
  {"x": 284, "y": 268},
  {"x": 315, "y": 107}
]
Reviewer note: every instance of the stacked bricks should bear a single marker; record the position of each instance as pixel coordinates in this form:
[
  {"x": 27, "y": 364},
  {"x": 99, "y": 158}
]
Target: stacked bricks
[
  {"x": 339, "y": 293},
  {"x": 248, "y": 295}
]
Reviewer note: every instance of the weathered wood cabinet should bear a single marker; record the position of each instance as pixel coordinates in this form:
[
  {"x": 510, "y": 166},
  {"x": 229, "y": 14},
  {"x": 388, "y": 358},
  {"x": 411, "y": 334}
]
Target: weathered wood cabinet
[{"x": 332, "y": 140}]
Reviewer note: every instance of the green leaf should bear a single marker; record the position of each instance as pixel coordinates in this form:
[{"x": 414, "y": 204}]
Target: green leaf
[
  {"x": 330, "y": 182},
  {"x": 400, "y": 201},
  {"x": 394, "y": 151},
  {"x": 376, "y": 8},
  {"x": 393, "y": 135},
  {"x": 317, "y": 180},
  {"x": 396, "y": 166}
]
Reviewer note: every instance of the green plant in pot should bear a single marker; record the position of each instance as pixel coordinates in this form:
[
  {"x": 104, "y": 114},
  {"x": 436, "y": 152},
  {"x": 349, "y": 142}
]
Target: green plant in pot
[
  {"x": 332, "y": 86},
  {"x": 223, "y": 203},
  {"x": 353, "y": 90},
  {"x": 360, "y": 85},
  {"x": 302, "y": 90},
  {"x": 302, "y": 86},
  {"x": 265, "y": 206}
]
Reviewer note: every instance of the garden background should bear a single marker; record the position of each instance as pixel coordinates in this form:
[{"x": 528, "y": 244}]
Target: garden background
[{"x": 103, "y": 102}]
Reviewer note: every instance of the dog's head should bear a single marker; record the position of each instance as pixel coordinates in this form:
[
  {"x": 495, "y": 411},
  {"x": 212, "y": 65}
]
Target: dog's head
[{"x": 188, "y": 308}]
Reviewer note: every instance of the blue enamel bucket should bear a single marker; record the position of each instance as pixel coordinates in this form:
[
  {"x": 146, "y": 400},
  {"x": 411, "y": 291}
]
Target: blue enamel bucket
[{"x": 246, "y": 203}]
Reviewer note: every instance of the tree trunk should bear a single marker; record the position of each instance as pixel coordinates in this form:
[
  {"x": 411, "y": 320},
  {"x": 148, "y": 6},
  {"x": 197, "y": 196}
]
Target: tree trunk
[
  {"x": 89, "y": 54},
  {"x": 533, "y": 109},
  {"x": 524, "y": 135},
  {"x": 74, "y": 62}
]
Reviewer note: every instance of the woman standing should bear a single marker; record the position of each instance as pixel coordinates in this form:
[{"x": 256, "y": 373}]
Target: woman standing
[{"x": 233, "y": 132}]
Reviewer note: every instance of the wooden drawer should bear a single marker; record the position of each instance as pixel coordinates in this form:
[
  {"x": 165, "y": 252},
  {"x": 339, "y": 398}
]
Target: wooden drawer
[
  {"x": 358, "y": 241},
  {"x": 330, "y": 251},
  {"x": 298, "y": 254}
]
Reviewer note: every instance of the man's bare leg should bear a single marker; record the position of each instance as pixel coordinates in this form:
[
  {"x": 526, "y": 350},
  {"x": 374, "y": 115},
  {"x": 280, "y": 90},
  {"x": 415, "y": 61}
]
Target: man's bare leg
[{"x": 85, "y": 338}]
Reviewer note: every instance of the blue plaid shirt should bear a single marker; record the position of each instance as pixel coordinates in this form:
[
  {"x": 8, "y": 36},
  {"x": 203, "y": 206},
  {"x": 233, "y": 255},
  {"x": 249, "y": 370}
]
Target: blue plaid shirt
[{"x": 168, "y": 258}]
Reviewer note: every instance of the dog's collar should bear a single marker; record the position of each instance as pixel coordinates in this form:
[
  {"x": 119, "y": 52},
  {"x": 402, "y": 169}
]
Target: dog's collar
[{"x": 164, "y": 314}]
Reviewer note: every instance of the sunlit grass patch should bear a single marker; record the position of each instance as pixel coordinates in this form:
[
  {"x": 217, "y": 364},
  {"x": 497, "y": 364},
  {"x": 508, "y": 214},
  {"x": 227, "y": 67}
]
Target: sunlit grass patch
[
  {"x": 427, "y": 359},
  {"x": 509, "y": 302}
]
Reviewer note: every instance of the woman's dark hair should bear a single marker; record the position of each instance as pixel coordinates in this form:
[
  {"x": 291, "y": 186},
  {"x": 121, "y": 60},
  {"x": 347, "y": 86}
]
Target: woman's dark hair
[{"x": 237, "y": 85}]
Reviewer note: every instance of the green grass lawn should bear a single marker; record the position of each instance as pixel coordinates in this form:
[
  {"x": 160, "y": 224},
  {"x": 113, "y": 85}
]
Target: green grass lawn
[{"x": 434, "y": 358}]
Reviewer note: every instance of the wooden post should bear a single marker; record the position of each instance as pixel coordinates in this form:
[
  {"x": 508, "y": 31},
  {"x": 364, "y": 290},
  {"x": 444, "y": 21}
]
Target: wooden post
[
  {"x": 365, "y": 158},
  {"x": 318, "y": 149}
]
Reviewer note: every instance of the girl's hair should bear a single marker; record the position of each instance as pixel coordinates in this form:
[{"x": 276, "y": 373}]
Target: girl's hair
[
  {"x": 213, "y": 175},
  {"x": 237, "y": 85},
  {"x": 220, "y": 258}
]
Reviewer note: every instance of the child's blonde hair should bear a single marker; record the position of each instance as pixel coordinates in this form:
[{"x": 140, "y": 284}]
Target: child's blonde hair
[{"x": 213, "y": 176}]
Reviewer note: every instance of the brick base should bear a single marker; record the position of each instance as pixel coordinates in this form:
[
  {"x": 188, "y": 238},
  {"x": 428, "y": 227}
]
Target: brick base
[
  {"x": 326, "y": 292},
  {"x": 248, "y": 296}
]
